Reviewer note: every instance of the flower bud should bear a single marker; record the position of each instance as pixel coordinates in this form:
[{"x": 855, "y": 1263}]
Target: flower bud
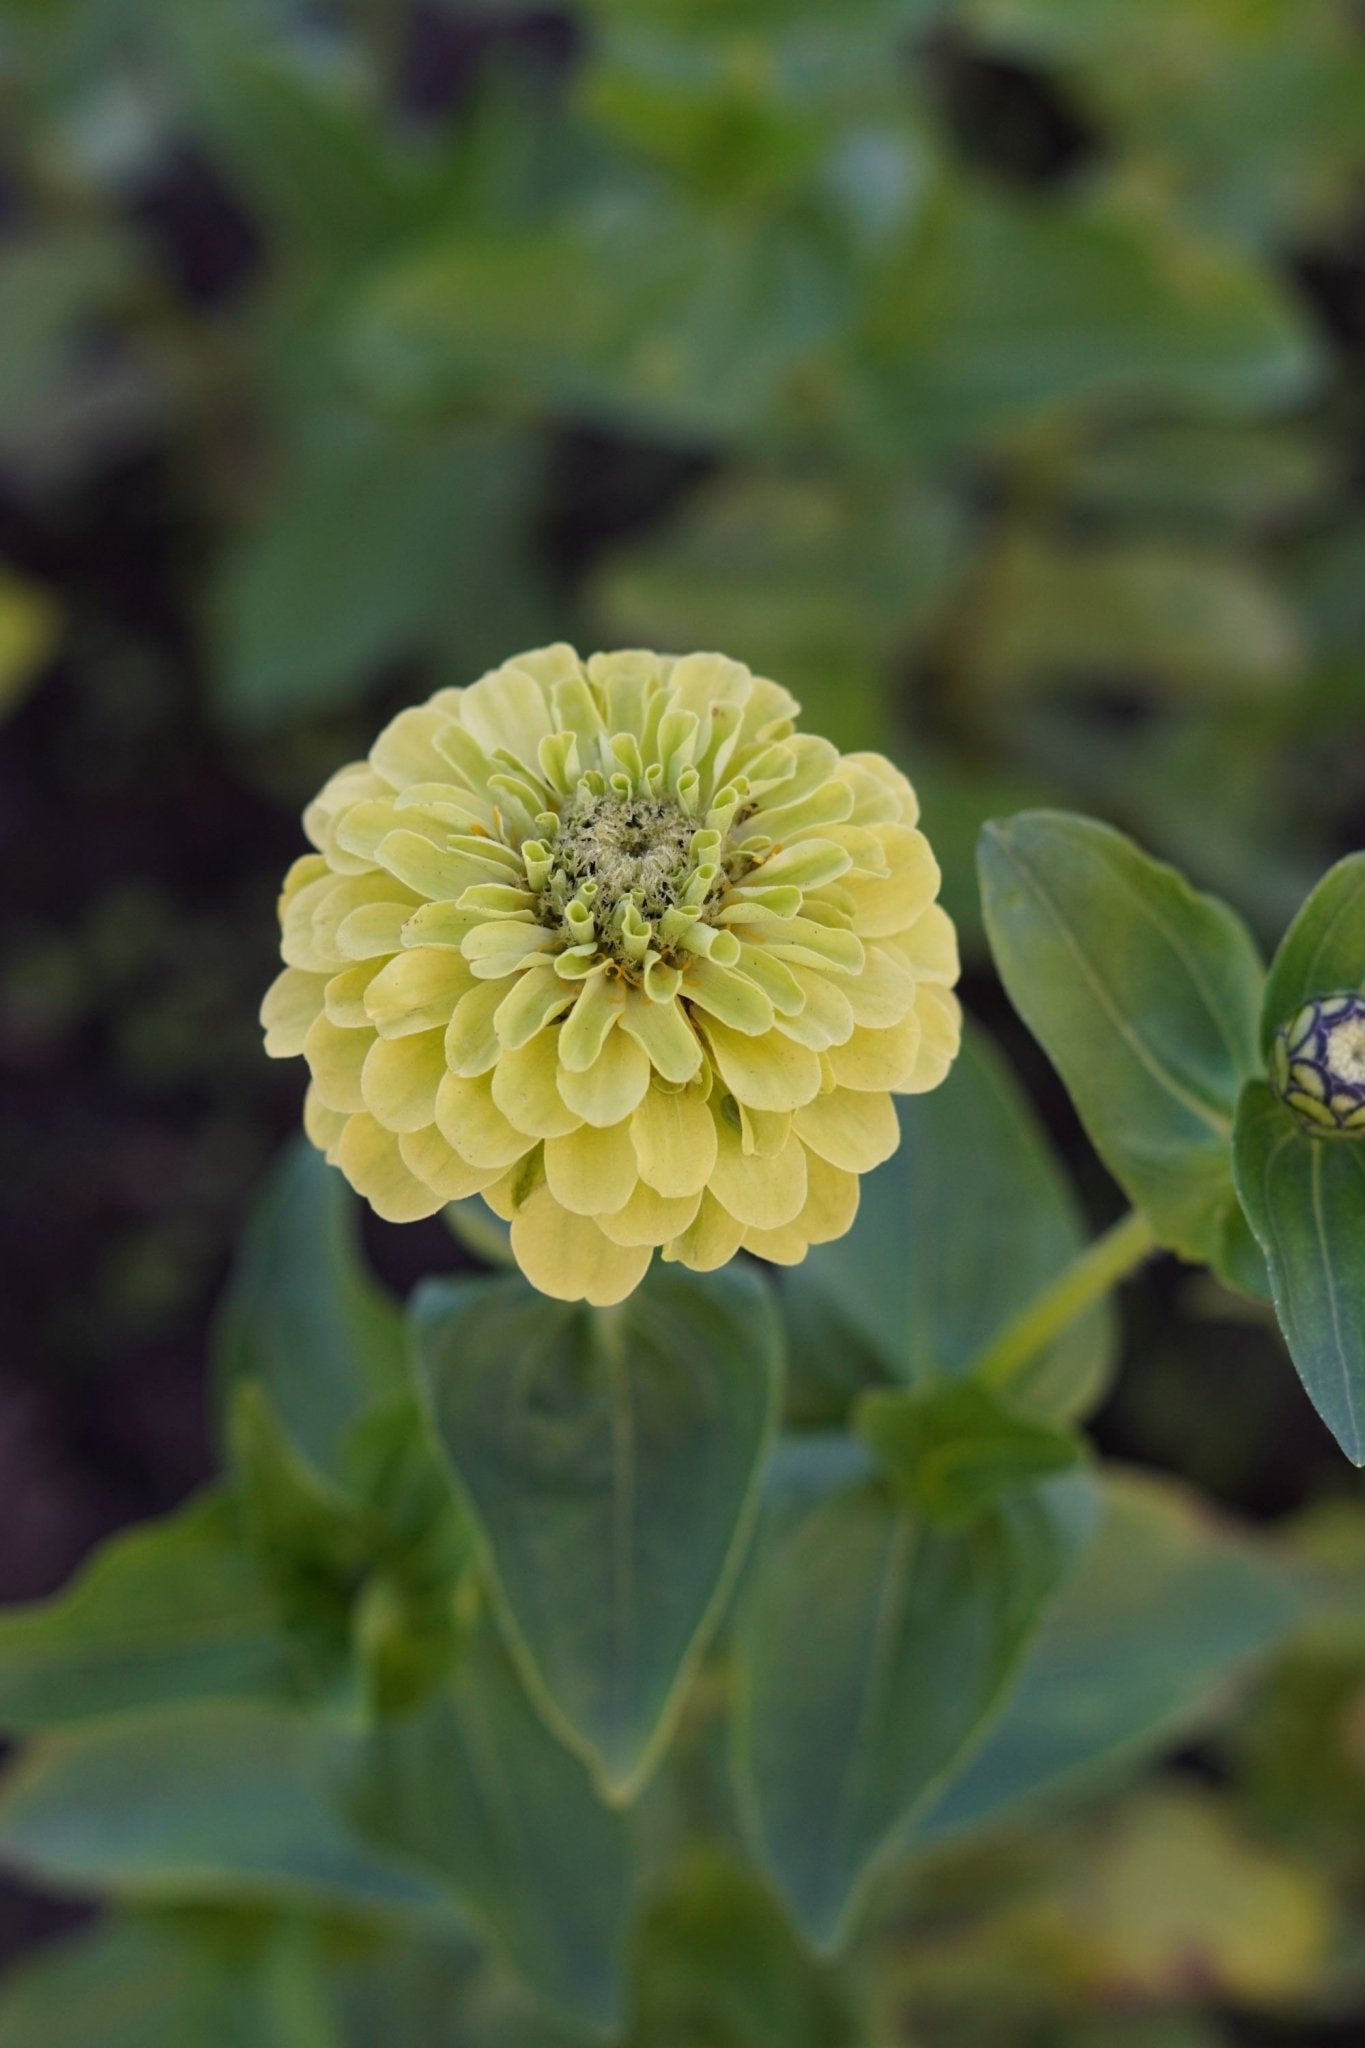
[{"x": 1317, "y": 1065}]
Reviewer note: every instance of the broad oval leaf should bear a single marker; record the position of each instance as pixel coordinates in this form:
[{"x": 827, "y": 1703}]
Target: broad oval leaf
[
  {"x": 304, "y": 1317},
  {"x": 1145, "y": 996},
  {"x": 1323, "y": 952},
  {"x": 957, "y": 1232},
  {"x": 171, "y": 1612},
  {"x": 1168, "y": 1604},
  {"x": 872, "y": 1648},
  {"x": 611, "y": 1462},
  {"x": 1305, "y": 1200},
  {"x": 211, "y": 1802},
  {"x": 475, "y": 1790}
]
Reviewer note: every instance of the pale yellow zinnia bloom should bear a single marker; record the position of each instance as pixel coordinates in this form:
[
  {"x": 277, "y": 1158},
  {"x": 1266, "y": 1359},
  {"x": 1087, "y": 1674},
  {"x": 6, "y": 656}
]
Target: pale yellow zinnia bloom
[{"x": 612, "y": 944}]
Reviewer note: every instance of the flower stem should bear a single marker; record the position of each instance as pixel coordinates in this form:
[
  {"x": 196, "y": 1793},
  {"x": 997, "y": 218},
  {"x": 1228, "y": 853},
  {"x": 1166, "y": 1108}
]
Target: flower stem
[{"x": 1088, "y": 1278}]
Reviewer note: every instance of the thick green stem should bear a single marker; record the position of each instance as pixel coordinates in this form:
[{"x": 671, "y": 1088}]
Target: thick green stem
[{"x": 1085, "y": 1281}]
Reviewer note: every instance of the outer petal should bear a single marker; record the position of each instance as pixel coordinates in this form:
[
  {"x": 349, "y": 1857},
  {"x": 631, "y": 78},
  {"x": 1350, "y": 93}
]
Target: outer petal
[
  {"x": 612, "y": 1085},
  {"x": 292, "y": 1001},
  {"x": 878, "y": 1060},
  {"x": 664, "y": 1032},
  {"x": 335, "y": 1058},
  {"x": 592, "y": 1171},
  {"x": 763, "y": 1192},
  {"x": 851, "y": 1127},
  {"x": 711, "y": 1239},
  {"x": 526, "y": 1088},
  {"x": 675, "y": 1140},
  {"x": 567, "y": 1256},
  {"x": 427, "y": 1154},
  {"x": 650, "y": 1219},
  {"x": 369, "y": 1157},
  {"x": 769, "y": 1072},
  {"x": 401, "y": 1078},
  {"x": 940, "y": 1017},
  {"x": 469, "y": 1119}
]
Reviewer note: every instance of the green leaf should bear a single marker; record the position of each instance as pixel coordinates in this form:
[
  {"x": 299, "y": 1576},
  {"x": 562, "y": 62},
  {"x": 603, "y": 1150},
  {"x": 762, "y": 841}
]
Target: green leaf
[
  {"x": 1168, "y": 1605},
  {"x": 476, "y": 1790},
  {"x": 214, "y": 1802},
  {"x": 998, "y": 312},
  {"x": 611, "y": 1461},
  {"x": 375, "y": 545},
  {"x": 1323, "y": 952},
  {"x": 872, "y": 1648},
  {"x": 717, "y": 1962},
  {"x": 1145, "y": 996},
  {"x": 303, "y": 1316},
  {"x": 956, "y": 1233},
  {"x": 148, "y": 1982},
  {"x": 1305, "y": 1199},
  {"x": 951, "y": 1451},
  {"x": 171, "y": 1612}
]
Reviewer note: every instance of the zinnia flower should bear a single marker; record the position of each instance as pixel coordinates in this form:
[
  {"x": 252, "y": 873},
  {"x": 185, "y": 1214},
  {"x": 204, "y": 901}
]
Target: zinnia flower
[
  {"x": 615, "y": 946},
  {"x": 1318, "y": 1065}
]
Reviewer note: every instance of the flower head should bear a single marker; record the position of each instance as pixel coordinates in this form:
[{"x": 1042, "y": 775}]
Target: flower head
[
  {"x": 612, "y": 944},
  {"x": 1317, "y": 1065}
]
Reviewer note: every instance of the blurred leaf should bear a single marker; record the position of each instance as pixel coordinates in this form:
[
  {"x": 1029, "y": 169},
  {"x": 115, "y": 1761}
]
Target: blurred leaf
[
  {"x": 1179, "y": 1886},
  {"x": 376, "y": 545},
  {"x": 1323, "y": 952},
  {"x": 53, "y": 291},
  {"x": 951, "y": 1451},
  {"x": 154, "y": 1983},
  {"x": 167, "y": 1613},
  {"x": 957, "y": 1233},
  {"x": 211, "y": 1803},
  {"x": 717, "y": 1962},
  {"x": 1168, "y": 1605},
  {"x": 814, "y": 583},
  {"x": 30, "y": 627},
  {"x": 1182, "y": 620},
  {"x": 304, "y": 1317},
  {"x": 1304, "y": 1197},
  {"x": 1145, "y": 997},
  {"x": 1209, "y": 476},
  {"x": 611, "y": 1461},
  {"x": 872, "y": 1648},
  {"x": 475, "y": 1790},
  {"x": 996, "y": 313}
]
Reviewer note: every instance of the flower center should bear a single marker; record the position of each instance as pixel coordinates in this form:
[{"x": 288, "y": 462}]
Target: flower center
[
  {"x": 1346, "y": 1051},
  {"x": 625, "y": 848}
]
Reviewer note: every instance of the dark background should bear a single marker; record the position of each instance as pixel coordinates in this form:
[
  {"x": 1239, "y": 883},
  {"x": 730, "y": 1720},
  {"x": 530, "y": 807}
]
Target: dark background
[{"x": 992, "y": 374}]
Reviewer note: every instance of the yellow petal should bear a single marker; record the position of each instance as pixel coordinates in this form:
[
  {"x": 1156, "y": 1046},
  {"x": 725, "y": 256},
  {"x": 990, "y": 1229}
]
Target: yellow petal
[
  {"x": 506, "y": 1194},
  {"x": 526, "y": 1088},
  {"x": 764, "y": 1192},
  {"x": 878, "y": 1060},
  {"x": 662, "y": 1029},
  {"x": 675, "y": 1140},
  {"x": 650, "y": 1218},
  {"x": 592, "y": 1171},
  {"x": 930, "y": 946},
  {"x": 612, "y": 1086},
  {"x": 883, "y": 904},
  {"x": 344, "y": 1000},
  {"x": 883, "y": 992},
  {"x": 322, "y": 1126},
  {"x": 601, "y": 999},
  {"x": 567, "y": 1256},
  {"x": 940, "y": 1016},
  {"x": 469, "y": 1119},
  {"x": 826, "y": 1016},
  {"x": 831, "y": 1201},
  {"x": 416, "y": 991},
  {"x": 850, "y": 1127},
  {"x": 335, "y": 1058},
  {"x": 400, "y": 1080},
  {"x": 728, "y": 995},
  {"x": 374, "y": 929},
  {"x": 292, "y": 1002},
  {"x": 471, "y": 1037},
  {"x": 427, "y": 1154},
  {"x": 532, "y": 1002},
  {"x": 768, "y": 1073},
  {"x": 764, "y": 1131},
  {"x": 785, "y": 1247},
  {"x": 710, "y": 1240},
  {"x": 369, "y": 1157}
]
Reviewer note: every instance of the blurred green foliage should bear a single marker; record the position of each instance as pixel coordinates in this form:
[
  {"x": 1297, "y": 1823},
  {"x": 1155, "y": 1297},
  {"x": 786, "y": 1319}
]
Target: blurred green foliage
[{"x": 988, "y": 370}]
